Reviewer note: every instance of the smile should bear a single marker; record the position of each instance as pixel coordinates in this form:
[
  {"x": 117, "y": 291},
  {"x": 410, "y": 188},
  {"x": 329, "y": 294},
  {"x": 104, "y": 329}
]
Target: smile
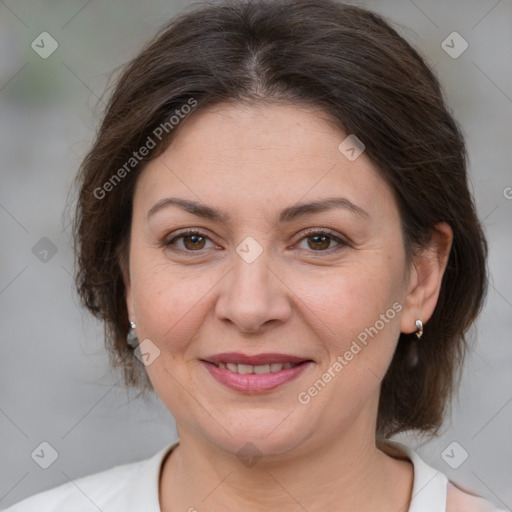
[
  {"x": 253, "y": 379},
  {"x": 260, "y": 369}
]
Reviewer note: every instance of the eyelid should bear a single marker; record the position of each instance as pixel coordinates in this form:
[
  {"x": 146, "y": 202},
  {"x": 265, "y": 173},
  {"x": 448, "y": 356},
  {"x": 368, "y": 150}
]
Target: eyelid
[
  {"x": 341, "y": 240},
  {"x": 324, "y": 231},
  {"x": 167, "y": 241}
]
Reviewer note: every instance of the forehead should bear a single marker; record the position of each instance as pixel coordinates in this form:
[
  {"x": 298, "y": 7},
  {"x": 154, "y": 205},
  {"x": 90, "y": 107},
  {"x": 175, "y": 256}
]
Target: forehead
[{"x": 254, "y": 157}]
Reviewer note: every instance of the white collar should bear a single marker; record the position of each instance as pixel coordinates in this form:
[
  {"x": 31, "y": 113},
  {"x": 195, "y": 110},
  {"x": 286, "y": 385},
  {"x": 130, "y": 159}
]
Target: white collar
[
  {"x": 429, "y": 485},
  {"x": 142, "y": 490}
]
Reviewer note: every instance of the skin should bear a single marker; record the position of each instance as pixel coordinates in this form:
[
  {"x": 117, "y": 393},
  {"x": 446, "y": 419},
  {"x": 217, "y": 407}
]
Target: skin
[{"x": 300, "y": 297}]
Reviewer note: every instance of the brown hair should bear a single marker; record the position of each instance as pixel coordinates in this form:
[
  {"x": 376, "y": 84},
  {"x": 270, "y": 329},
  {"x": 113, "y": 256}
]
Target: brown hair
[{"x": 349, "y": 63}]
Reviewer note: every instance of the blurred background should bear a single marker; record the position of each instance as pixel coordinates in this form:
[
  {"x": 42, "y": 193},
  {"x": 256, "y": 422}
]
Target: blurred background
[{"x": 56, "y": 386}]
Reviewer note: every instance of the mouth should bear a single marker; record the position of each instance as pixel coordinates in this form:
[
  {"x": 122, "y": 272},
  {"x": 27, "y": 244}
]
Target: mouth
[
  {"x": 255, "y": 374},
  {"x": 246, "y": 369}
]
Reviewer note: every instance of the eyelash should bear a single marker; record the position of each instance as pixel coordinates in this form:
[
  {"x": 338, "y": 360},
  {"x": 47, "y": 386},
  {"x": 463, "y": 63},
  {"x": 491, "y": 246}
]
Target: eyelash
[{"x": 309, "y": 233}]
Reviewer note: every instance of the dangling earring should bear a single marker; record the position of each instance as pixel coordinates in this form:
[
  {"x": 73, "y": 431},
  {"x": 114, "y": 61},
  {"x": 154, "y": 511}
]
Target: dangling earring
[
  {"x": 419, "y": 332},
  {"x": 412, "y": 349},
  {"x": 131, "y": 337}
]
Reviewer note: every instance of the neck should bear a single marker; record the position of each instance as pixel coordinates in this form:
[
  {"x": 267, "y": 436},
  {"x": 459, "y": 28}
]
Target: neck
[{"x": 345, "y": 473}]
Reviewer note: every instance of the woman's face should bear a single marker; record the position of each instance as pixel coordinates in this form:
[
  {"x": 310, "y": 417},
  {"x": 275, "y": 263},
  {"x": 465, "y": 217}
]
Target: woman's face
[{"x": 266, "y": 280}]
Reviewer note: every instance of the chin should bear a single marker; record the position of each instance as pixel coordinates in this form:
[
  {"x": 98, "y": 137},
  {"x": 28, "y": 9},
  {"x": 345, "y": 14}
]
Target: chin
[{"x": 260, "y": 434}]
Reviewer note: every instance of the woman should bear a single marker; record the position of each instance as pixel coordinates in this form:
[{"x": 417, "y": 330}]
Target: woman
[{"x": 275, "y": 225}]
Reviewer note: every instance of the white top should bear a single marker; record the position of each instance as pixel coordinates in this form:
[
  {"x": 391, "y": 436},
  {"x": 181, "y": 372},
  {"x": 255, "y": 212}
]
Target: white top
[{"x": 133, "y": 487}]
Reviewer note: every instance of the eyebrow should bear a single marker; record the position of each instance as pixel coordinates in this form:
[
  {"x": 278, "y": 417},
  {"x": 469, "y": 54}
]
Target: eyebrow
[{"x": 287, "y": 215}]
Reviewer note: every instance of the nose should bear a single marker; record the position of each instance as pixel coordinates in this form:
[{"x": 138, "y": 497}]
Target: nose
[{"x": 253, "y": 295}]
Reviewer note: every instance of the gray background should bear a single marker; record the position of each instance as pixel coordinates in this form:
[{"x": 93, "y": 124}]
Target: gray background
[{"x": 55, "y": 382}]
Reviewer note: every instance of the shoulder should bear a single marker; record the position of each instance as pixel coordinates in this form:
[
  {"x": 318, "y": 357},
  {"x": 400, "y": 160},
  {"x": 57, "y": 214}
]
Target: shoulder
[
  {"x": 99, "y": 491},
  {"x": 126, "y": 487},
  {"x": 459, "y": 500},
  {"x": 431, "y": 488}
]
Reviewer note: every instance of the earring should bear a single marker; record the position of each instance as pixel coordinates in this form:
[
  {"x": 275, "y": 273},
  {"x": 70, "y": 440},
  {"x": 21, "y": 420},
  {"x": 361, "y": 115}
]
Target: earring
[
  {"x": 412, "y": 355},
  {"x": 419, "y": 332},
  {"x": 131, "y": 338}
]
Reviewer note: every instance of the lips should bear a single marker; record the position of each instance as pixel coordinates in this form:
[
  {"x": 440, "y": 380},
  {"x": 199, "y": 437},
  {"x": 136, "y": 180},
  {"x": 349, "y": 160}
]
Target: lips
[
  {"x": 255, "y": 374},
  {"x": 259, "y": 364},
  {"x": 245, "y": 369},
  {"x": 259, "y": 359}
]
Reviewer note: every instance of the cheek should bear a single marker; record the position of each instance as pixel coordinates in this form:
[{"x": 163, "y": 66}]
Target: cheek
[
  {"x": 362, "y": 315},
  {"x": 348, "y": 300},
  {"x": 170, "y": 300},
  {"x": 361, "y": 308},
  {"x": 166, "y": 305}
]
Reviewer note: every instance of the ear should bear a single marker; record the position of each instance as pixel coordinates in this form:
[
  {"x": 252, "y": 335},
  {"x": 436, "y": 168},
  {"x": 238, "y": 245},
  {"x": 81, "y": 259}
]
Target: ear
[{"x": 425, "y": 278}]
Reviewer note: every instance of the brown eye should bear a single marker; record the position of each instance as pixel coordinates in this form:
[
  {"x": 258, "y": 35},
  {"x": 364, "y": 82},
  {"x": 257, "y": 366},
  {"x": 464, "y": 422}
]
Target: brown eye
[
  {"x": 193, "y": 241},
  {"x": 320, "y": 240}
]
